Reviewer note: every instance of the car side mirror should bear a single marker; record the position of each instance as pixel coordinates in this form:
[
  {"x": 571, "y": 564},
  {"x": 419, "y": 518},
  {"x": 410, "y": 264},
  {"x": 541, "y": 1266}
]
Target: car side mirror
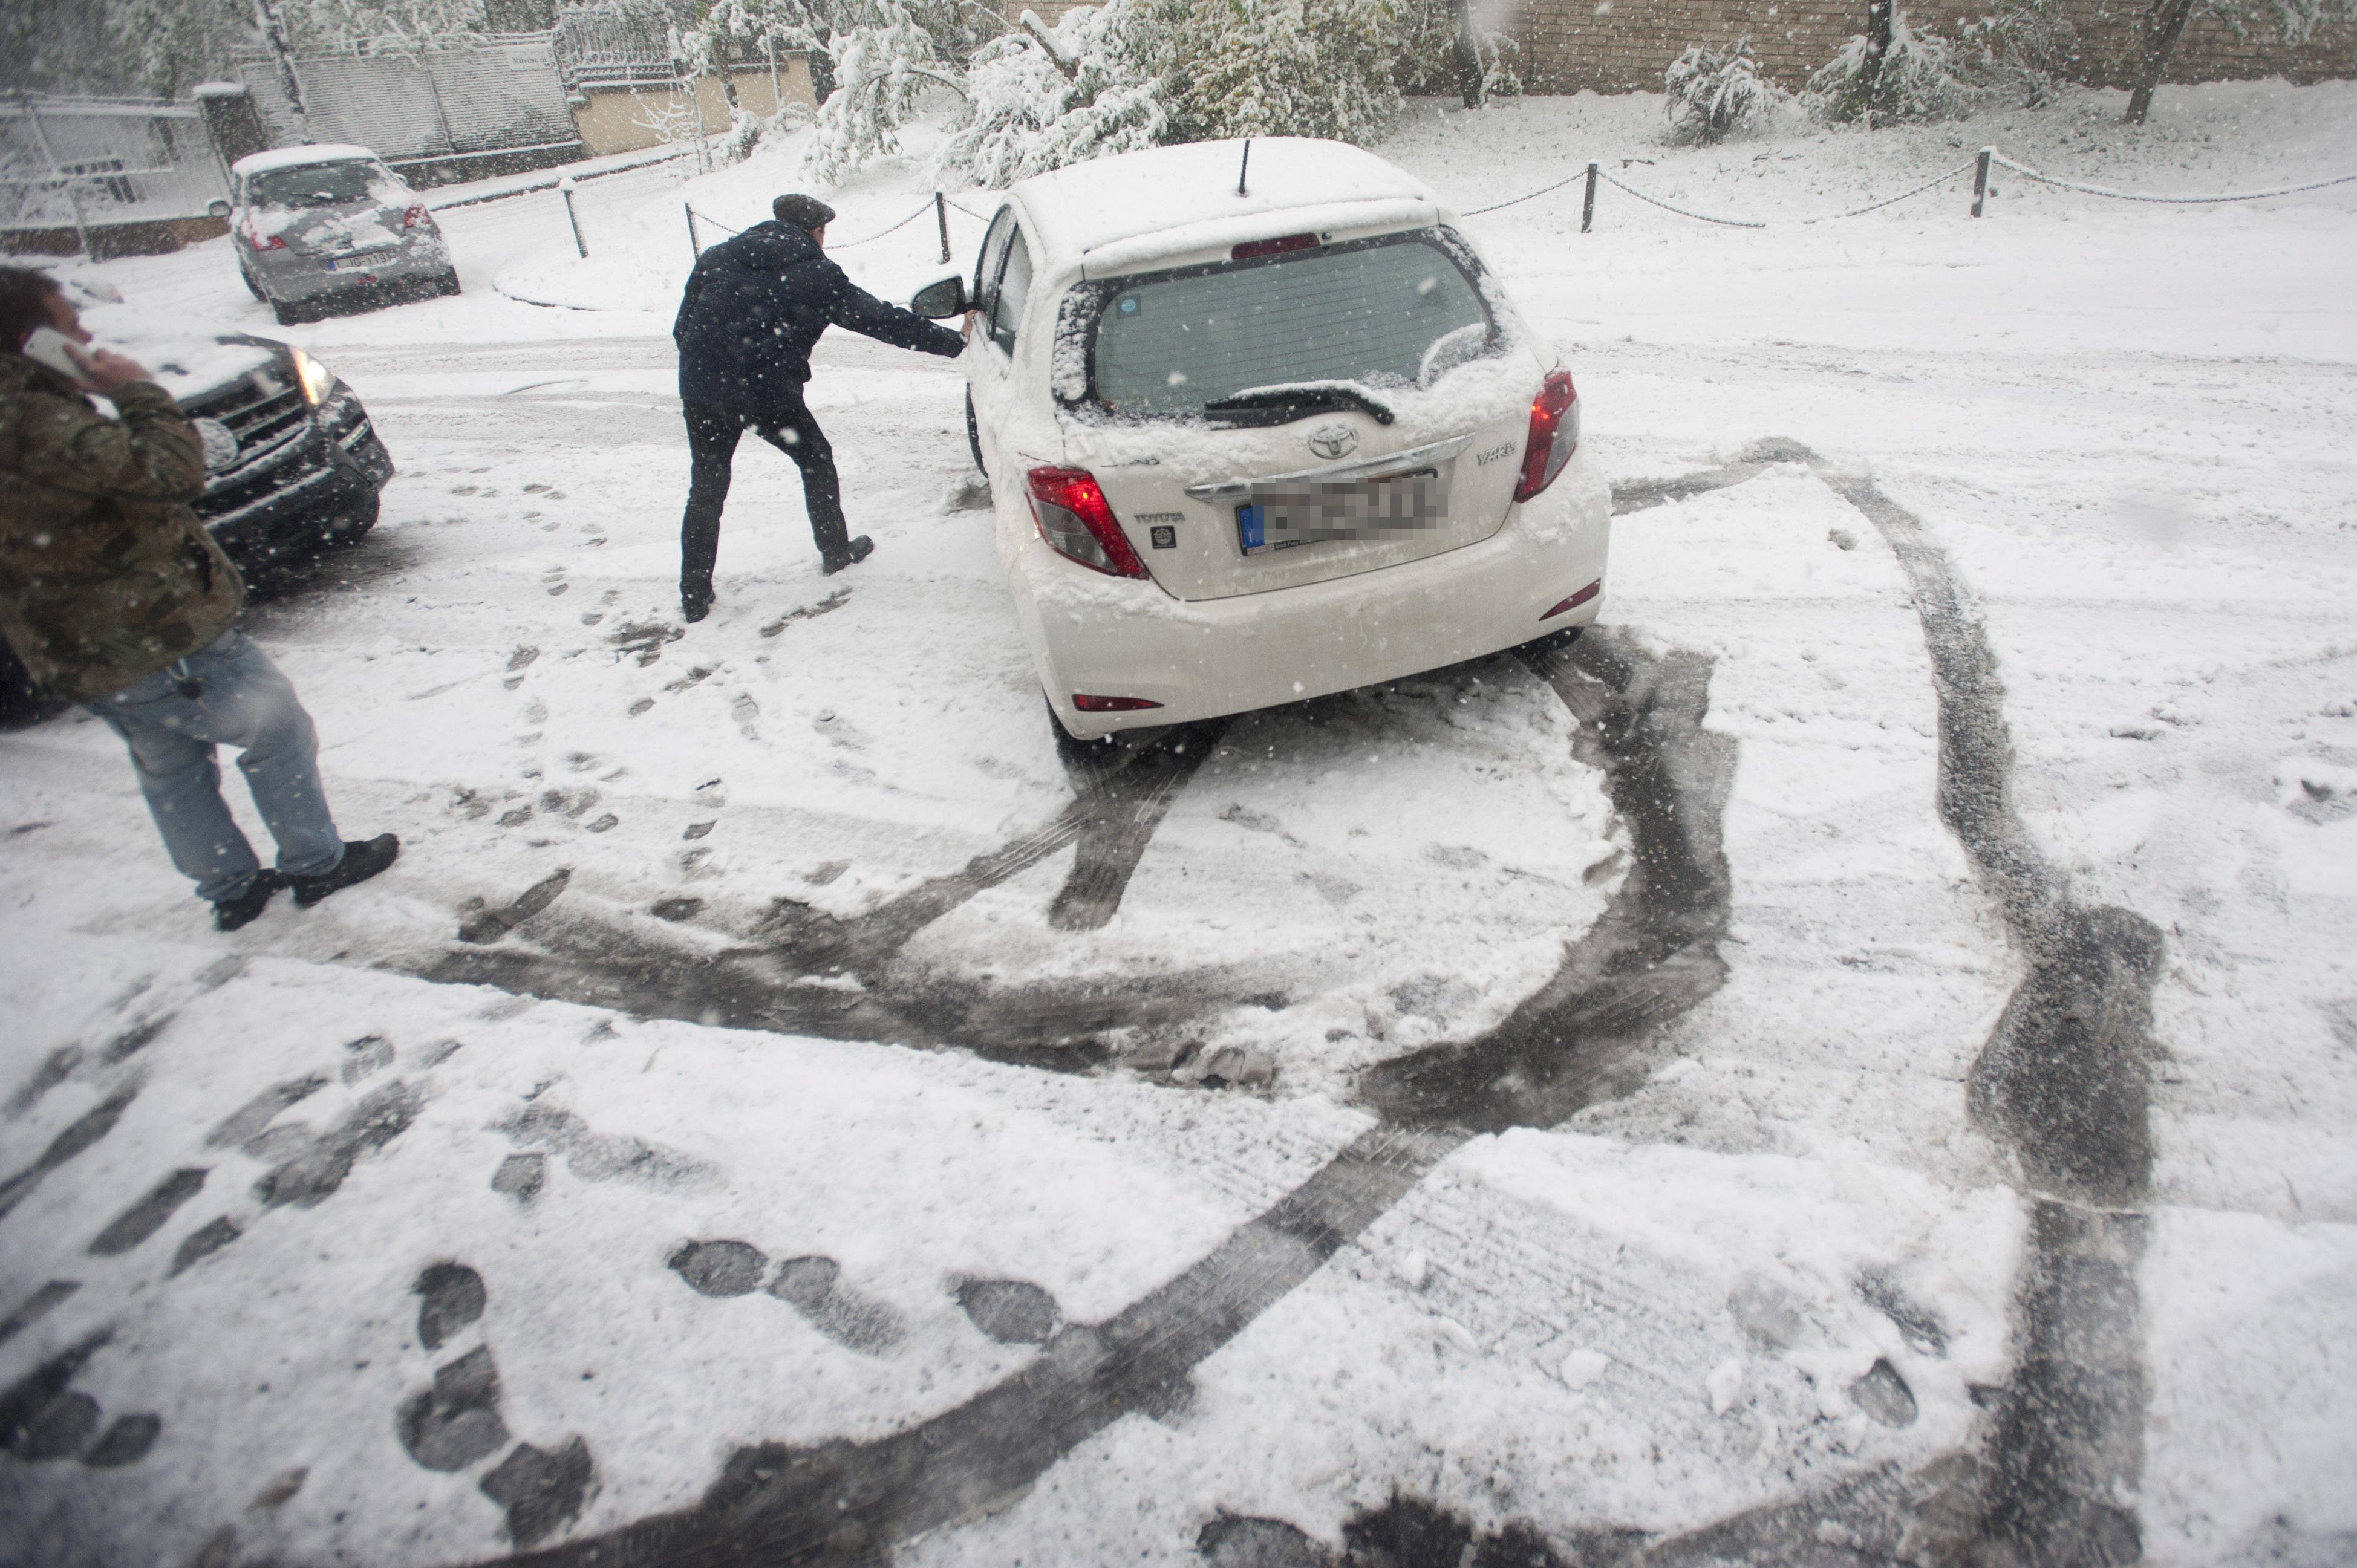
[
  {"x": 216, "y": 208},
  {"x": 939, "y": 301}
]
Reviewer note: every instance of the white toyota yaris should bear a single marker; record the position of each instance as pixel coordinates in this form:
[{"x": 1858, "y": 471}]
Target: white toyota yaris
[{"x": 1259, "y": 426}]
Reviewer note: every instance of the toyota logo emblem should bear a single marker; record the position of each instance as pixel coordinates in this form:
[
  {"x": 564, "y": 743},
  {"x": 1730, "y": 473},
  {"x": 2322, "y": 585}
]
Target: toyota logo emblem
[{"x": 1332, "y": 440}]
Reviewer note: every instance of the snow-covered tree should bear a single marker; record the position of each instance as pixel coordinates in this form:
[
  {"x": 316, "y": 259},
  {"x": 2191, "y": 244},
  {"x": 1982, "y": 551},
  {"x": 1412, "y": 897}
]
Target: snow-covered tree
[
  {"x": 1091, "y": 86},
  {"x": 1284, "y": 68},
  {"x": 172, "y": 45},
  {"x": 374, "y": 24},
  {"x": 1713, "y": 93},
  {"x": 884, "y": 61},
  {"x": 2293, "y": 21}
]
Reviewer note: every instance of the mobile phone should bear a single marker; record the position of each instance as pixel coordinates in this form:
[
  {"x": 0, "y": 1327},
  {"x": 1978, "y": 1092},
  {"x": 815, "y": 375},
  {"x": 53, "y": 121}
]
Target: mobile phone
[{"x": 47, "y": 346}]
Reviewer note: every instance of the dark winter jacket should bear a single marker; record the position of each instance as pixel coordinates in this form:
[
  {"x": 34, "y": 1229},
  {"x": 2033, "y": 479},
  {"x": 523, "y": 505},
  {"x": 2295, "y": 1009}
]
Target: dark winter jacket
[
  {"x": 754, "y": 307},
  {"x": 105, "y": 575}
]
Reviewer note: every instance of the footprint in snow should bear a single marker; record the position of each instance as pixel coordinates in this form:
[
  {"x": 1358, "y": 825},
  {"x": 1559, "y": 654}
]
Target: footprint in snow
[
  {"x": 811, "y": 1285},
  {"x": 455, "y": 1422}
]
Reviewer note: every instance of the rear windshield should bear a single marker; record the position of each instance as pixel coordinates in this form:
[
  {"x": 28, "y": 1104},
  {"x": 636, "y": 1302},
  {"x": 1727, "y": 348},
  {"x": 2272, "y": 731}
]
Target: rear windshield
[
  {"x": 318, "y": 185},
  {"x": 1398, "y": 312}
]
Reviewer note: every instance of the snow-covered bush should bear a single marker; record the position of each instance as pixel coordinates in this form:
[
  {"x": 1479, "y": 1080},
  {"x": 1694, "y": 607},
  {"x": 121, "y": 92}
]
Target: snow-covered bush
[
  {"x": 1426, "y": 48},
  {"x": 1714, "y": 93},
  {"x": 1919, "y": 76},
  {"x": 1028, "y": 113},
  {"x": 2021, "y": 49}
]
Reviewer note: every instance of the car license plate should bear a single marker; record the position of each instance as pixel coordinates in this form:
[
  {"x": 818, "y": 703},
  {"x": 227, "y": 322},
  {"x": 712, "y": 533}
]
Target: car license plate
[{"x": 1305, "y": 512}]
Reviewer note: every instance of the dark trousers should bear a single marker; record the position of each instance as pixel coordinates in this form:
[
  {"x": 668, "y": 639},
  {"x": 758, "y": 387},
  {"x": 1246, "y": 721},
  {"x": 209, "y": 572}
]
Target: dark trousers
[{"x": 712, "y": 434}]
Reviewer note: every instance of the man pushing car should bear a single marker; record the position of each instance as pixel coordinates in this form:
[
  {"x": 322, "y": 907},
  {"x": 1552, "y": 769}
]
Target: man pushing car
[{"x": 753, "y": 307}]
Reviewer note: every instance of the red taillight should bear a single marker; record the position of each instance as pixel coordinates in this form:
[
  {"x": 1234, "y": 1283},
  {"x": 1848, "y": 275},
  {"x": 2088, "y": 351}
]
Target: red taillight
[
  {"x": 253, "y": 238},
  {"x": 1089, "y": 704},
  {"x": 415, "y": 217},
  {"x": 1577, "y": 599},
  {"x": 1245, "y": 251},
  {"x": 1078, "y": 524},
  {"x": 1554, "y": 434}
]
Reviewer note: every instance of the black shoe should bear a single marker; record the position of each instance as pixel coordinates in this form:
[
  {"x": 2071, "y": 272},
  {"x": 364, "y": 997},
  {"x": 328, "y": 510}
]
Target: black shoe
[
  {"x": 859, "y": 549},
  {"x": 229, "y": 914},
  {"x": 695, "y": 606},
  {"x": 363, "y": 858}
]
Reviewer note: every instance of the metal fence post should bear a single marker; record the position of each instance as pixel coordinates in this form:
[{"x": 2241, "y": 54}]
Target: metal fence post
[
  {"x": 942, "y": 214},
  {"x": 73, "y": 201},
  {"x": 694, "y": 246},
  {"x": 564, "y": 189},
  {"x": 1588, "y": 208},
  {"x": 1980, "y": 180}
]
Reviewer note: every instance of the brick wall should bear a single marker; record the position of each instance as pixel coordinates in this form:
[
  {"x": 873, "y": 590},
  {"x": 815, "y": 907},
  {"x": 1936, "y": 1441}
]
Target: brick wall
[{"x": 1618, "y": 46}]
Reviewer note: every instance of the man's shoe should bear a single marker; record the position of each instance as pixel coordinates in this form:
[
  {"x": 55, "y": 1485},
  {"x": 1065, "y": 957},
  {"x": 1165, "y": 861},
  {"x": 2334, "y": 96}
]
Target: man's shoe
[
  {"x": 229, "y": 914},
  {"x": 692, "y": 606},
  {"x": 859, "y": 549},
  {"x": 363, "y": 858}
]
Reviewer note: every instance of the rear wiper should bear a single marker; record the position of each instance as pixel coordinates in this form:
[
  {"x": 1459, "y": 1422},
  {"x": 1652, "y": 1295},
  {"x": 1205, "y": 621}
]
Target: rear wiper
[{"x": 1283, "y": 405}]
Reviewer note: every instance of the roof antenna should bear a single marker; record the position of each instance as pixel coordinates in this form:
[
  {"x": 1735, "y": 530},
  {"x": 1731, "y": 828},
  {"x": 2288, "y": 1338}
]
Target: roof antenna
[{"x": 1245, "y": 167}]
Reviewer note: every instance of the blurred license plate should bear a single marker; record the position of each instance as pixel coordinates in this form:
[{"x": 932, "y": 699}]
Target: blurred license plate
[{"x": 1304, "y": 511}]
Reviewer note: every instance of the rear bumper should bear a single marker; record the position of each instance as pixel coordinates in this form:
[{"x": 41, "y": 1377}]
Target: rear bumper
[
  {"x": 287, "y": 276},
  {"x": 1110, "y": 636}
]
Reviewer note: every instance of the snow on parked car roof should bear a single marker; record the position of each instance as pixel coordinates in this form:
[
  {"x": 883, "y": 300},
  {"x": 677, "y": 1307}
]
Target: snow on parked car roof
[
  {"x": 296, "y": 157},
  {"x": 1184, "y": 196}
]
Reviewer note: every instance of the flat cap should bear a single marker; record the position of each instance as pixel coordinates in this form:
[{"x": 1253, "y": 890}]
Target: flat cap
[{"x": 802, "y": 211}]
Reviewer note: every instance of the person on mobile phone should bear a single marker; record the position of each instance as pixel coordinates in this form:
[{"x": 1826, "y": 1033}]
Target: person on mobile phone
[
  {"x": 113, "y": 595},
  {"x": 752, "y": 309}
]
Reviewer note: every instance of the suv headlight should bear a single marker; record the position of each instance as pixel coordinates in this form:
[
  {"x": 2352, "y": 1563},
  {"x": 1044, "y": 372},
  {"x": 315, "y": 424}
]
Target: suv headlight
[{"x": 315, "y": 379}]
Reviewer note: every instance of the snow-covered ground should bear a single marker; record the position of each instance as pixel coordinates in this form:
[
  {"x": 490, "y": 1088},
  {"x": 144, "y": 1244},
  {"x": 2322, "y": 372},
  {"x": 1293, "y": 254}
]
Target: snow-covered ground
[{"x": 716, "y": 1197}]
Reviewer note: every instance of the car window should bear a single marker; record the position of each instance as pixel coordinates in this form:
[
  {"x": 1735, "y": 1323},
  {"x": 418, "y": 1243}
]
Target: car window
[
  {"x": 993, "y": 257},
  {"x": 1013, "y": 292},
  {"x": 317, "y": 185},
  {"x": 1398, "y": 311}
]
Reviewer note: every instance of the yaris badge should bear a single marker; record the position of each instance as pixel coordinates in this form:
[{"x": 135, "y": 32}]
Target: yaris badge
[{"x": 1333, "y": 440}]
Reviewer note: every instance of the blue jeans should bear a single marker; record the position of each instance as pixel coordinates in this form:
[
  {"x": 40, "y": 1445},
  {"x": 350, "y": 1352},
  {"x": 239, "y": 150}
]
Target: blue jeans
[{"x": 242, "y": 701}]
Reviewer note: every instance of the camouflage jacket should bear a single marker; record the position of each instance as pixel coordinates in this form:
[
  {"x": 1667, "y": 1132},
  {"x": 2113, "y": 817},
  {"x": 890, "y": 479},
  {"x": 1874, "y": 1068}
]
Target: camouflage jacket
[{"x": 105, "y": 575}]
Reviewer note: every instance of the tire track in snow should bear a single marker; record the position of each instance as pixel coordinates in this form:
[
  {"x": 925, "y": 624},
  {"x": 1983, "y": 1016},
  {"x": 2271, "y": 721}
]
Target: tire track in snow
[
  {"x": 2061, "y": 1082},
  {"x": 1576, "y": 1042}
]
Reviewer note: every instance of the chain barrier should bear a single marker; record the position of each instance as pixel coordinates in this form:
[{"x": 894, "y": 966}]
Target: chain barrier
[
  {"x": 911, "y": 218},
  {"x": 2028, "y": 173},
  {"x": 1941, "y": 178},
  {"x": 1533, "y": 196},
  {"x": 1699, "y": 217},
  {"x": 1968, "y": 166}
]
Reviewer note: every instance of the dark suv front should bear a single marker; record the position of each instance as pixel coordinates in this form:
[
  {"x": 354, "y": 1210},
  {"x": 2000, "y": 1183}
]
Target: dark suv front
[{"x": 291, "y": 459}]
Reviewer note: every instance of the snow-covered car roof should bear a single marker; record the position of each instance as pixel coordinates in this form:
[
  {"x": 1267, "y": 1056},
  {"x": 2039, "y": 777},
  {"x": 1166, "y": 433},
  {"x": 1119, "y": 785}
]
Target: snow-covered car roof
[
  {"x": 1167, "y": 199},
  {"x": 298, "y": 158}
]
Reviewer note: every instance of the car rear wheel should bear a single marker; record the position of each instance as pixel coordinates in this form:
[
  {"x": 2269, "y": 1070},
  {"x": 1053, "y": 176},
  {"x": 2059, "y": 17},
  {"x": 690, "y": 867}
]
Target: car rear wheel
[{"x": 252, "y": 287}]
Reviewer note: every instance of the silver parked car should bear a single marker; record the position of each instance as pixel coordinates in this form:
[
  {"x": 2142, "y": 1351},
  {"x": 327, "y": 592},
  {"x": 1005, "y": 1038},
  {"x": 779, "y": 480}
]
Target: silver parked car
[{"x": 311, "y": 224}]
